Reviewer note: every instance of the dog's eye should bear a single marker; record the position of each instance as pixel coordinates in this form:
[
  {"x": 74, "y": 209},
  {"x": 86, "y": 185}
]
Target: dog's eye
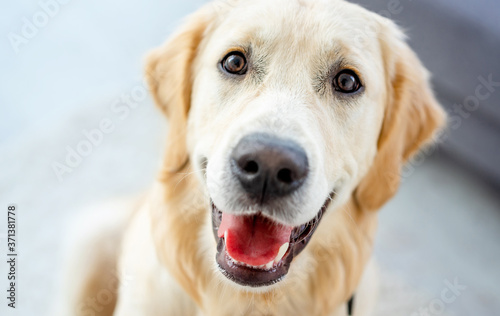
[
  {"x": 235, "y": 63},
  {"x": 346, "y": 81}
]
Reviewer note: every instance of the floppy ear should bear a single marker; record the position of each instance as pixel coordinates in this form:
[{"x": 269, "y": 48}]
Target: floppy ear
[
  {"x": 412, "y": 117},
  {"x": 169, "y": 75}
]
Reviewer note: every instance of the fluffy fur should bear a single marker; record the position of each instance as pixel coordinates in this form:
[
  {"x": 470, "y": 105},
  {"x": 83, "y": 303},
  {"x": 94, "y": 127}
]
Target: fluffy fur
[{"x": 356, "y": 145}]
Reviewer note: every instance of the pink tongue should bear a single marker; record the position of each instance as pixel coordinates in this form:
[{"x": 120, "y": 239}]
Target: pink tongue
[{"x": 254, "y": 240}]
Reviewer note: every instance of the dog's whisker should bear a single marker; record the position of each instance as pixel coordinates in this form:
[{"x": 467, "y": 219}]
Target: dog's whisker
[
  {"x": 345, "y": 209},
  {"x": 187, "y": 174}
]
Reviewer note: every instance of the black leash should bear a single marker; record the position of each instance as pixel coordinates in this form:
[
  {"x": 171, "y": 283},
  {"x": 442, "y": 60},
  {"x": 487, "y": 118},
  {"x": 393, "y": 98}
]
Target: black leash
[{"x": 350, "y": 304}]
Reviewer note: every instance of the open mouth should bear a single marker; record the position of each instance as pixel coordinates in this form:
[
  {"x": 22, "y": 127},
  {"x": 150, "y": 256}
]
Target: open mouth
[{"x": 256, "y": 251}]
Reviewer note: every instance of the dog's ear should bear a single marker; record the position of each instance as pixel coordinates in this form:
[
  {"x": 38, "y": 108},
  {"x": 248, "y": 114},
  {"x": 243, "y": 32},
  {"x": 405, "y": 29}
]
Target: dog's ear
[
  {"x": 412, "y": 117},
  {"x": 169, "y": 75}
]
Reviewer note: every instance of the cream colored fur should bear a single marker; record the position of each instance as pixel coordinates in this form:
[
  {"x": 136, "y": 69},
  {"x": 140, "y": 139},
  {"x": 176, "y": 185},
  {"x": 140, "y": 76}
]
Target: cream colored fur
[{"x": 356, "y": 146}]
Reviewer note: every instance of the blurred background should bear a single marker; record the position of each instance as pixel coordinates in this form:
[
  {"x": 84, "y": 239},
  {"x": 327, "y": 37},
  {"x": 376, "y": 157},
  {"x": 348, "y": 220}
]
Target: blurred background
[{"x": 66, "y": 66}]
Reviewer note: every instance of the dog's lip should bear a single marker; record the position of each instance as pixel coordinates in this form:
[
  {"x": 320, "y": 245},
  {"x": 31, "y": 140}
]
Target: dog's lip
[{"x": 255, "y": 277}]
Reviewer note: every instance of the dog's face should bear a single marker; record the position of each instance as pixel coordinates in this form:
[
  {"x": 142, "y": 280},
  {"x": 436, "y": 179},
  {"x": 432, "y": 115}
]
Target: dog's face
[{"x": 283, "y": 114}]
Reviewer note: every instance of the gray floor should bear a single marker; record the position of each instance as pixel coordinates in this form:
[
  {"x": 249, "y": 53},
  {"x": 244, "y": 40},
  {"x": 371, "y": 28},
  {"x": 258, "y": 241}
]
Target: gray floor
[{"x": 443, "y": 224}]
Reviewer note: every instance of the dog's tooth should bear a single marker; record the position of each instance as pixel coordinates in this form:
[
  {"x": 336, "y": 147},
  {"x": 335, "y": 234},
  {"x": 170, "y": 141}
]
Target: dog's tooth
[
  {"x": 225, "y": 236},
  {"x": 281, "y": 252},
  {"x": 269, "y": 265}
]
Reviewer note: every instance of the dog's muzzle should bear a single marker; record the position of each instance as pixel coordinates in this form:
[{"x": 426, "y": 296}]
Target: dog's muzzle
[{"x": 252, "y": 248}]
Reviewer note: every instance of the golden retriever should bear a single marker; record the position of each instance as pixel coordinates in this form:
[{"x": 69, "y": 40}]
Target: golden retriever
[{"x": 289, "y": 122}]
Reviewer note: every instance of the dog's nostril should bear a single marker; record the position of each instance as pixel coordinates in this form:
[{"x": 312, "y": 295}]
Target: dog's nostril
[
  {"x": 285, "y": 176},
  {"x": 251, "y": 167}
]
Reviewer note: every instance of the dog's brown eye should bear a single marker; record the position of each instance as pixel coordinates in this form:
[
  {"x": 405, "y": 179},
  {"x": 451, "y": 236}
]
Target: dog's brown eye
[
  {"x": 235, "y": 63},
  {"x": 346, "y": 81}
]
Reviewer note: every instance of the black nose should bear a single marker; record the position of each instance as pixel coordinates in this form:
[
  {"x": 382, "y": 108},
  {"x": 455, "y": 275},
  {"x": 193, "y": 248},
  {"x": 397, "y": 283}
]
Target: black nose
[{"x": 267, "y": 166}]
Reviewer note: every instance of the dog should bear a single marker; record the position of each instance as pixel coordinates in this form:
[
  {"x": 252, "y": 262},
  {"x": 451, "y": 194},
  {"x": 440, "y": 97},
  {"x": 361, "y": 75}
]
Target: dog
[{"x": 289, "y": 122}]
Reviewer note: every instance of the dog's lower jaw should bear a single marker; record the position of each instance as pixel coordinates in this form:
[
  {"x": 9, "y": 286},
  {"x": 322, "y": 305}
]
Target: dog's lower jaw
[{"x": 276, "y": 270}]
